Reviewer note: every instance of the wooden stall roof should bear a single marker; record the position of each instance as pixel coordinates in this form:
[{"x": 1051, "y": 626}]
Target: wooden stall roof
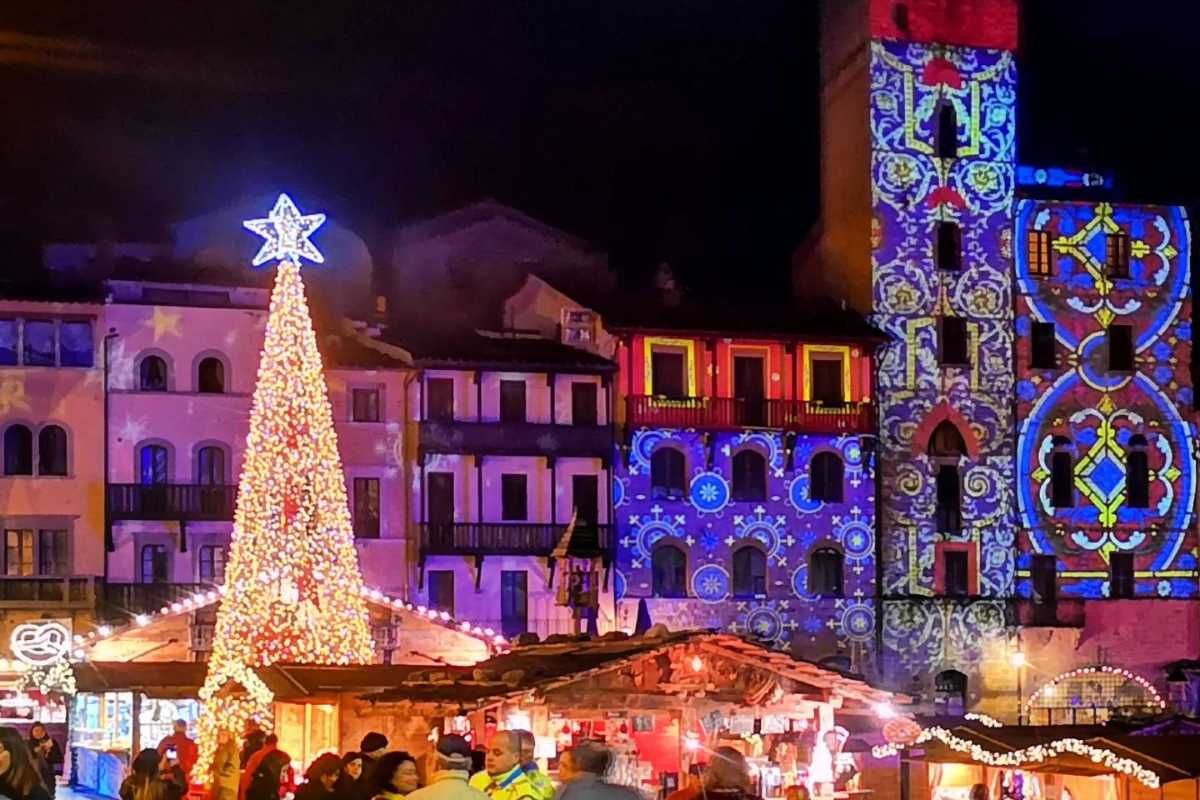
[{"x": 548, "y": 666}]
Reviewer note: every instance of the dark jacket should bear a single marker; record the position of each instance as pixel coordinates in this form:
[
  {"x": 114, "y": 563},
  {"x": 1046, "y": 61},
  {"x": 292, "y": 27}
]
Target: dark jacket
[
  {"x": 265, "y": 782},
  {"x": 314, "y": 790},
  {"x": 171, "y": 790},
  {"x": 590, "y": 787}
]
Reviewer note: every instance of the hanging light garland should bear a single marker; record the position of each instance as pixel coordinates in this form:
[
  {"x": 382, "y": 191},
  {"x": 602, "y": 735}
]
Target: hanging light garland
[
  {"x": 1049, "y": 687},
  {"x": 983, "y": 719}
]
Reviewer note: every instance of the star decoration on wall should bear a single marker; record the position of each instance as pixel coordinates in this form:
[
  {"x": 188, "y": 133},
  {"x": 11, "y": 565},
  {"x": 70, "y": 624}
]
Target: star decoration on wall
[
  {"x": 286, "y": 231},
  {"x": 164, "y": 323}
]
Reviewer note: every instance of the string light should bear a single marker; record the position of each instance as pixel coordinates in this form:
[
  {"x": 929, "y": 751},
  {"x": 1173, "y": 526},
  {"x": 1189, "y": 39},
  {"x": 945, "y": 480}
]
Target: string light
[
  {"x": 293, "y": 589},
  {"x": 1030, "y": 755},
  {"x": 1050, "y": 687},
  {"x": 983, "y": 719}
]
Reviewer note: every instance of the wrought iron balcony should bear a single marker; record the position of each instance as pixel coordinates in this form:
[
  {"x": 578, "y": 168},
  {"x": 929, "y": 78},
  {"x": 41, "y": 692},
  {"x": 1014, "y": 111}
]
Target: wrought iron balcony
[
  {"x": 124, "y": 600},
  {"x": 515, "y": 438},
  {"x": 45, "y": 591},
  {"x": 187, "y": 502},
  {"x": 511, "y": 538},
  {"x": 1060, "y": 613},
  {"x": 801, "y": 416}
]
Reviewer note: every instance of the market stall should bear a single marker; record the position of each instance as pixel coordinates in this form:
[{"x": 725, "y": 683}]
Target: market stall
[{"x": 662, "y": 702}]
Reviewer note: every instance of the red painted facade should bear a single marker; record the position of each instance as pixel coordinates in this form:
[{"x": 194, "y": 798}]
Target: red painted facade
[{"x": 971, "y": 23}]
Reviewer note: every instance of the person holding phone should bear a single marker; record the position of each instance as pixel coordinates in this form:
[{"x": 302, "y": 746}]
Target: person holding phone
[{"x": 180, "y": 750}]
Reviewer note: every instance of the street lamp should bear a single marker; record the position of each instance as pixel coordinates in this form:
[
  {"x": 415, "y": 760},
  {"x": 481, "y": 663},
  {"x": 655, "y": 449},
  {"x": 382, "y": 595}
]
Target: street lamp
[{"x": 1017, "y": 659}]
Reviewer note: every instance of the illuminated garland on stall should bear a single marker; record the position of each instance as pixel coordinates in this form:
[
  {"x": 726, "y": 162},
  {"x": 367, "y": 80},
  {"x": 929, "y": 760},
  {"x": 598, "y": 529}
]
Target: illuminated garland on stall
[
  {"x": 1034, "y": 754},
  {"x": 983, "y": 719},
  {"x": 1048, "y": 687},
  {"x": 293, "y": 589},
  {"x": 55, "y": 678}
]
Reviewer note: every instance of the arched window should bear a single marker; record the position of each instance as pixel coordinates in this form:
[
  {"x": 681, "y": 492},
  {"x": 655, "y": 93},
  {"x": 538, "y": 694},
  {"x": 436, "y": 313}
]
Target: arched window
[
  {"x": 825, "y": 572},
  {"x": 52, "y": 451},
  {"x": 669, "y": 571},
  {"x": 154, "y": 467},
  {"x": 210, "y": 466},
  {"x": 18, "y": 450},
  {"x": 1062, "y": 474},
  {"x": 152, "y": 374},
  {"x": 946, "y": 448},
  {"x": 749, "y": 476},
  {"x": 749, "y": 572},
  {"x": 950, "y": 693},
  {"x": 947, "y": 131},
  {"x": 825, "y": 478},
  {"x": 666, "y": 473},
  {"x": 210, "y": 376},
  {"x": 946, "y": 441},
  {"x": 1137, "y": 472}
]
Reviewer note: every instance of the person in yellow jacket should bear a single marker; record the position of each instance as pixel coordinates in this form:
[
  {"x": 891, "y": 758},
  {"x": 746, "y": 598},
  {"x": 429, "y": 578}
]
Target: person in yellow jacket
[
  {"x": 538, "y": 778},
  {"x": 503, "y": 777}
]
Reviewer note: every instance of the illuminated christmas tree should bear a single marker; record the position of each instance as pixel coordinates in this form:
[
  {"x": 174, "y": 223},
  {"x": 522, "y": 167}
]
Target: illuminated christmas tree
[{"x": 293, "y": 590}]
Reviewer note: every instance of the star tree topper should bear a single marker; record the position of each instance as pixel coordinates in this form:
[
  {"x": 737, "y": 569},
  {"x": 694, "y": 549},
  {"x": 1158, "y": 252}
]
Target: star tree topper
[{"x": 286, "y": 231}]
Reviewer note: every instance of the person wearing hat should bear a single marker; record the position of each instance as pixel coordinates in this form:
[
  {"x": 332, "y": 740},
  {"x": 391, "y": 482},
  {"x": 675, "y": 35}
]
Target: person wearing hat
[
  {"x": 452, "y": 772},
  {"x": 372, "y": 746}
]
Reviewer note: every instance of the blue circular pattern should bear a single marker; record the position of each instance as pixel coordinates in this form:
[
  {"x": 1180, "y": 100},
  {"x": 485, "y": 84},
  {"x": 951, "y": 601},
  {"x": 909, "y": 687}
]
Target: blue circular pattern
[
  {"x": 618, "y": 492},
  {"x": 762, "y": 532},
  {"x": 858, "y": 541},
  {"x": 764, "y": 623},
  {"x": 858, "y": 622},
  {"x": 710, "y": 583},
  {"x": 800, "y": 583},
  {"x": 709, "y": 493},
  {"x": 852, "y": 452},
  {"x": 651, "y": 532},
  {"x": 619, "y": 584},
  {"x": 798, "y": 496},
  {"x": 644, "y": 442}
]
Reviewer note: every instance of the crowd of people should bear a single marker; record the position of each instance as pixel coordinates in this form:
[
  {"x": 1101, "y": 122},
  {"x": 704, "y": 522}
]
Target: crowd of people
[{"x": 28, "y": 768}]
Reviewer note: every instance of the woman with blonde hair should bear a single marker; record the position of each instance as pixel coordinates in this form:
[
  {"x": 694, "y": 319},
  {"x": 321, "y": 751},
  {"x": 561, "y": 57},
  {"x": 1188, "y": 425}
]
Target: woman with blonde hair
[{"x": 226, "y": 768}]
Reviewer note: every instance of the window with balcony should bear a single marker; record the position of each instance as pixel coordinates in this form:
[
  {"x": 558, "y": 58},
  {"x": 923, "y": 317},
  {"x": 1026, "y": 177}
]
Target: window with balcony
[
  {"x": 825, "y": 478},
  {"x": 827, "y": 388},
  {"x": 212, "y": 564},
  {"x": 949, "y": 246},
  {"x": 1120, "y": 576},
  {"x": 366, "y": 508},
  {"x": 1062, "y": 474},
  {"x": 440, "y": 502},
  {"x": 952, "y": 342},
  {"x": 668, "y": 571},
  {"x": 154, "y": 465},
  {"x": 1041, "y": 346},
  {"x": 1137, "y": 472},
  {"x": 364, "y": 405},
  {"x": 956, "y": 573},
  {"x": 1037, "y": 251},
  {"x": 512, "y": 401},
  {"x": 1116, "y": 255},
  {"x": 155, "y": 564},
  {"x": 667, "y": 474},
  {"x": 52, "y": 450},
  {"x": 749, "y": 572},
  {"x": 152, "y": 374},
  {"x": 210, "y": 376},
  {"x": 439, "y": 399},
  {"x": 18, "y": 450},
  {"x": 514, "y": 498},
  {"x": 210, "y": 466},
  {"x": 749, "y": 476},
  {"x": 46, "y": 342},
  {"x": 514, "y": 602},
  {"x": 825, "y": 573},
  {"x": 1120, "y": 348},
  {"x": 441, "y": 590},
  {"x": 584, "y": 399},
  {"x": 947, "y": 130},
  {"x": 668, "y": 374}
]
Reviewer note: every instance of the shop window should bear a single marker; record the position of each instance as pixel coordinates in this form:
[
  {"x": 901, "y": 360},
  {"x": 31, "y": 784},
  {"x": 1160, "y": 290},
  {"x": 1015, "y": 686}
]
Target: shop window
[
  {"x": 584, "y": 403},
  {"x": 366, "y": 508},
  {"x": 668, "y": 566},
  {"x": 667, "y": 474},
  {"x": 514, "y": 502},
  {"x": 210, "y": 376},
  {"x": 441, "y": 590},
  {"x": 514, "y": 602},
  {"x": 364, "y": 405},
  {"x": 155, "y": 563},
  {"x": 1120, "y": 348},
  {"x": 949, "y": 246},
  {"x": 956, "y": 573},
  {"x": 749, "y": 476},
  {"x": 210, "y": 466},
  {"x": 212, "y": 564},
  {"x": 1120, "y": 575},
  {"x": 439, "y": 399},
  {"x": 667, "y": 374},
  {"x": 825, "y": 573},
  {"x": 1037, "y": 251},
  {"x": 153, "y": 465},
  {"x": 947, "y": 130},
  {"x": 512, "y": 401},
  {"x": 1137, "y": 472},
  {"x": 52, "y": 451},
  {"x": 952, "y": 341},
  {"x": 749, "y": 572},
  {"x": 152, "y": 374},
  {"x": 825, "y": 478},
  {"x": 950, "y": 693},
  {"x": 1041, "y": 346},
  {"x": 18, "y": 450},
  {"x": 1062, "y": 474},
  {"x": 1116, "y": 255}
]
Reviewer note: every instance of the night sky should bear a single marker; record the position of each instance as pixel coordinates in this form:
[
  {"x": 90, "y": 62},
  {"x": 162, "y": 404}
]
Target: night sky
[{"x": 682, "y": 131}]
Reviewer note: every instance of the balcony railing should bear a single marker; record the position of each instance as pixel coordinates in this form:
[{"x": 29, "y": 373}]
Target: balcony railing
[
  {"x": 515, "y": 438},
  {"x": 189, "y": 502},
  {"x": 47, "y": 591},
  {"x": 1060, "y": 613},
  {"x": 511, "y": 538},
  {"x": 123, "y": 600},
  {"x": 802, "y": 416}
]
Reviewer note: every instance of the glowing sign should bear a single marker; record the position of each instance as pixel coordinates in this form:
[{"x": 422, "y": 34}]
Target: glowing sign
[
  {"x": 286, "y": 231},
  {"x": 40, "y": 643}
]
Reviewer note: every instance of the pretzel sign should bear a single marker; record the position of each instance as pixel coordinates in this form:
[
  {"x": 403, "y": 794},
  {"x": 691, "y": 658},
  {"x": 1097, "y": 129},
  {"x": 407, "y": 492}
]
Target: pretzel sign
[{"x": 39, "y": 643}]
